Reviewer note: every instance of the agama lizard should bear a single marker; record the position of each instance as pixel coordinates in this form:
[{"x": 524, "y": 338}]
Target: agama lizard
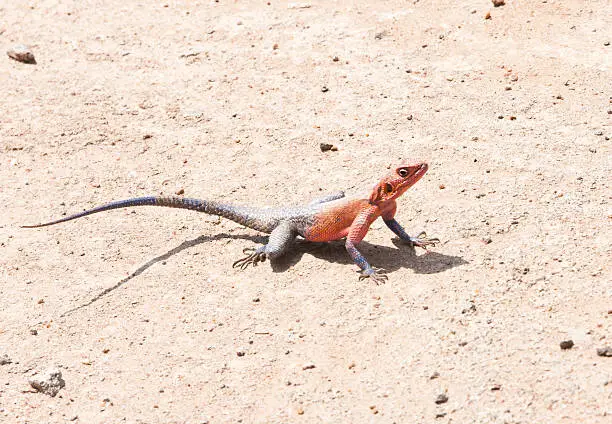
[{"x": 330, "y": 218}]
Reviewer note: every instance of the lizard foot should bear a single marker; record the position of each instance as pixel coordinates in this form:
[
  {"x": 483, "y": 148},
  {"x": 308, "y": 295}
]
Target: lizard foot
[
  {"x": 422, "y": 241},
  {"x": 375, "y": 274},
  {"x": 253, "y": 257}
]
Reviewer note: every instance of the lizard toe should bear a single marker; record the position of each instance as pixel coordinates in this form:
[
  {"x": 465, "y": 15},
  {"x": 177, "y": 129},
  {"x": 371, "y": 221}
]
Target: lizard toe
[
  {"x": 376, "y": 275},
  {"x": 253, "y": 257}
]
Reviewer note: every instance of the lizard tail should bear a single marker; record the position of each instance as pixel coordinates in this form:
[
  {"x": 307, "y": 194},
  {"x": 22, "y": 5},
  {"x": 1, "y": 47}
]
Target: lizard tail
[{"x": 213, "y": 208}]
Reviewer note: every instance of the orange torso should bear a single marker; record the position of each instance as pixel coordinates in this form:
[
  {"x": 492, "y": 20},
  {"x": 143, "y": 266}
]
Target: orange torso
[{"x": 336, "y": 218}]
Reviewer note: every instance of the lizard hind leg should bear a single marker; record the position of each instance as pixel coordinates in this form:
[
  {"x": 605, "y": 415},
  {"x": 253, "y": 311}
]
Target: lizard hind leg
[{"x": 281, "y": 239}]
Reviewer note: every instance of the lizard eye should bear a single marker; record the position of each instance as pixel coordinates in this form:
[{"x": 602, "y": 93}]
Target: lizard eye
[
  {"x": 403, "y": 172},
  {"x": 388, "y": 188}
]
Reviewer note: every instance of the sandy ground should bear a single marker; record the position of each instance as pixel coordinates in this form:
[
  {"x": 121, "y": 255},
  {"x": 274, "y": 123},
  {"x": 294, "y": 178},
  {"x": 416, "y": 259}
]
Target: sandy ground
[{"x": 229, "y": 101}]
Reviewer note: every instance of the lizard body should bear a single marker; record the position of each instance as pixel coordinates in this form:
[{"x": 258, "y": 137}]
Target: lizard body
[{"x": 330, "y": 218}]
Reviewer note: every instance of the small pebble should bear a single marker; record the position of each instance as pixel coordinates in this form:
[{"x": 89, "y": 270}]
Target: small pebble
[
  {"x": 605, "y": 351},
  {"x": 21, "y": 53},
  {"x": 300, "y": 411},
  {"x": 566, "y": 344},
  {"x": 308, "y": 366},
  {"x": 498, "y": 3},
  {"x": 441, "y": 398},
  {"x": 49, "y": 382},
  {"x": 488, "y": 15},
  {"x": 496, "y": 387},
  {"x": 5, "y": 360},
  {"x": 34, "y": 332},
  {"x": 240, "y": 353},
  {"x": 324, "y": 89},
  {"x": 441, "y": 186},
  {"x": 325, "y": 147},
  {"x": 180, "y": 191},
  {"x": 435, "y": 375}
]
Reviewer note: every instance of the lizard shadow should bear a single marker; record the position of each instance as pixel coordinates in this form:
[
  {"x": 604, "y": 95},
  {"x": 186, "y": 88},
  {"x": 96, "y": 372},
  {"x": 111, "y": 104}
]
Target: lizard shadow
[
  {"x": 381, "y": 256},
  {"x": 184, "y": 245},
  {"x": 391, "y": 259}
]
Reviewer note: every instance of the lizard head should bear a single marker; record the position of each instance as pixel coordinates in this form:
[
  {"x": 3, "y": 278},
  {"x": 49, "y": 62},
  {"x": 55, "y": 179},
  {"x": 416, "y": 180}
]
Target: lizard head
[{"x": 397, "y": 182}]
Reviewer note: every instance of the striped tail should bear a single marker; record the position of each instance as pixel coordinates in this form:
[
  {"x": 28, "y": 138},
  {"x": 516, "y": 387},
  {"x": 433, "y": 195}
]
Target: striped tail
[{"x": 212, "y": 208}]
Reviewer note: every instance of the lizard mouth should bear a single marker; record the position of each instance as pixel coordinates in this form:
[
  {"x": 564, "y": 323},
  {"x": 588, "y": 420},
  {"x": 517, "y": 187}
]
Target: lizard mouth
[{"x": 418, "y": 174}]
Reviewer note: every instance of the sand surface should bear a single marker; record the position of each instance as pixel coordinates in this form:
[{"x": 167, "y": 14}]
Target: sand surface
[{"x": 230, "y": 100}]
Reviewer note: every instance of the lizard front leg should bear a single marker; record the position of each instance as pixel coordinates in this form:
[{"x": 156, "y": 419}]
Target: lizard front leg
[
  {"x": 421, "y": 240},
  {"x": 281, "y": 239},
  {"x": 357, "y": 232}
]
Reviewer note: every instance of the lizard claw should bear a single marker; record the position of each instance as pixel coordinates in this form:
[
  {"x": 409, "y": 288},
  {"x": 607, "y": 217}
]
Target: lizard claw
[
  {"x": 375, "y": 274},
  {"x": 422, "y": 241},
  {"x": 253, "y": 257}
]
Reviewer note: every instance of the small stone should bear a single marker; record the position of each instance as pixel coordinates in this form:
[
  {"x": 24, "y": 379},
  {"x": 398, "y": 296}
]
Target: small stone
[
  {"x": 599, "y": 132},
  {"x": 308, "y": 366},
  {"x": 441, "y": 398},
  {"x": 380, "y": 35},
  {"x": 566, "y": 344},
  {"x": 146, "y": 136},
  {"x": 240, "y": 353},
  {"x": 21, "y": 53},
  {"x": 335, "y": 58},
  {"x": 498, "y": 3},
  {"x": 468, "y": 307},
  {"x": 324, "y": 89},
  {"x": 300, "y": 411},
  {"x": 508, "y": 88},
  {"x": 488, "y": 240},
  {"x": 50, "y": 382},
  {"x": 351, "y": 366},
  {"x": 441, "y": 186},
  {"x": 180, "y": 191},
  {"x": 605, "y": 351},
  {"x": 435, "y": 375},
  {"x": 5, "y": 360},
  {"x": 256, "y": 299},
  {"x": 606, "y": 43},
  {"x": 325, "y": 147},
  {"x": 34, "y": 332},
  {"x": 496, "y": 387},
  {"x": 488, "y": 15}
]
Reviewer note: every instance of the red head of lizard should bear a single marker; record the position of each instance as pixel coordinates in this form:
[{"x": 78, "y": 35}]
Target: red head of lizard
[{"x": 394, "y": 184}]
